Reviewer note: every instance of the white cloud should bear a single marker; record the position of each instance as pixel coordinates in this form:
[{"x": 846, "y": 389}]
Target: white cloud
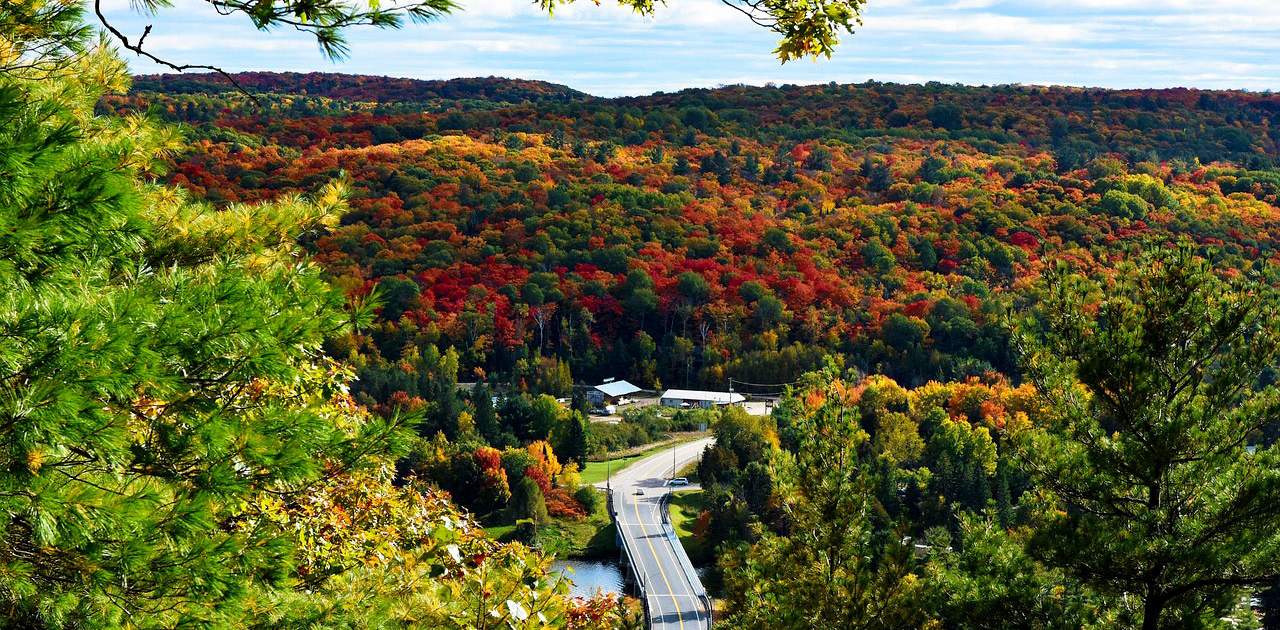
[
  {"x": 986, "y": 26},
  {"x": 499, "y": 43},
  {"x": 607, "y": 50}
]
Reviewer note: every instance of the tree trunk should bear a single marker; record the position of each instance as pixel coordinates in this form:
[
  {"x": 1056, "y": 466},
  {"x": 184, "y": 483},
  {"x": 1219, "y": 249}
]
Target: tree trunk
[{"x": 1152, "y": 608}]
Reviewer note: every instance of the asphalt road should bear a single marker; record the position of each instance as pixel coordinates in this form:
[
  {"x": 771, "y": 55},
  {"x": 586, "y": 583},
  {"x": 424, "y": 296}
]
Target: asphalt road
[{"x": 672, "y": 588}]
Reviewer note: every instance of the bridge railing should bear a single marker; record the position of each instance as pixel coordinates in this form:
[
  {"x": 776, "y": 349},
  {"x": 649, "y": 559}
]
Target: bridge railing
[
  {"x": 631, "y": 557},
  {"x": 686, "y": 565}
]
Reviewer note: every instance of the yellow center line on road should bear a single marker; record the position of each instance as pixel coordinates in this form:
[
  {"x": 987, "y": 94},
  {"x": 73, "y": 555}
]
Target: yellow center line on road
[{"x": 635, "y": 506}]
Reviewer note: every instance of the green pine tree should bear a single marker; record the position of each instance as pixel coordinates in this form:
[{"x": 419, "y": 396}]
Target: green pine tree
[
  {"x": 573, "y": 447},
  {"x": 160, "y": 370},
  {"x": 528, "y": 507},
  {"x": 486, "y": 418},
  {"x": 1003, "y": 492},
  {"x": 1154, "y": 492}
]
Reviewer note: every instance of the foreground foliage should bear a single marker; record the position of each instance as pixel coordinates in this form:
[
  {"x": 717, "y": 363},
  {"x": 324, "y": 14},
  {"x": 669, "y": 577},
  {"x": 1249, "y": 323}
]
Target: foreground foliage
[
  {"x": 1154, "y": 445},
  {"x": 175, "y": 447}
]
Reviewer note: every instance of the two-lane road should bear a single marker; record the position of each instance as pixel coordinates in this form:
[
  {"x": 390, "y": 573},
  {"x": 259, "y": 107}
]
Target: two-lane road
[{"x": 673, "y": 592}]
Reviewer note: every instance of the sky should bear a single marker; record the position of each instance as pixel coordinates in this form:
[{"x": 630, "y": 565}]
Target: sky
[{"x": 608, "y": 51}]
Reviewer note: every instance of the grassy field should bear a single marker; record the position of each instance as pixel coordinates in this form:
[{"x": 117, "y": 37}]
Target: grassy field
[
  {"x": 596, "y": 472},
  {"x": 685, "y": 507},
  {"x": 591, "y": 537}
]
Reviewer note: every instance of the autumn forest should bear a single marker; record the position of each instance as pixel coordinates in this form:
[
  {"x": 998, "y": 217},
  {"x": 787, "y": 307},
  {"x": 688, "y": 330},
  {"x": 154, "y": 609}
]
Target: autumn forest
[{"x": 333, "y": 350}]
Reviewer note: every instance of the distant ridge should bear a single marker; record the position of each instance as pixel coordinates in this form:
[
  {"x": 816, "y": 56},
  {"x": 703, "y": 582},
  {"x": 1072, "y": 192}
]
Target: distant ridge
[
  {"x": 364, "y": 87},
  {"x": 1076, "y": 124},
  {"x": 377, "y": 88}
]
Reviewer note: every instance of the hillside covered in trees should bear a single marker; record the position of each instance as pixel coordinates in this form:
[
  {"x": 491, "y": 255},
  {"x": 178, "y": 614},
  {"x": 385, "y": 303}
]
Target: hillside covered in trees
[
  {"x": 744, "y": 232},
  {"x": 285, "y": 350},
  {"x": 531, "y": 237}
]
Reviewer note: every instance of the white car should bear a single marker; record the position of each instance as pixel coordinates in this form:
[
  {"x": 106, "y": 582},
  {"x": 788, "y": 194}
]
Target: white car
[{"x": 678, "y": 481}]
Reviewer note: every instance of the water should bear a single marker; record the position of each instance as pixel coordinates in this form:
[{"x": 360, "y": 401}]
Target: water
[{"x": 590, "y": 576}]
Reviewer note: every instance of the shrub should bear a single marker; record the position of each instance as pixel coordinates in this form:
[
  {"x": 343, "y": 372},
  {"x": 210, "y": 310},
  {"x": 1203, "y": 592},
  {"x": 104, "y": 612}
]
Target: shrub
[{"x": 588, "y": 498}]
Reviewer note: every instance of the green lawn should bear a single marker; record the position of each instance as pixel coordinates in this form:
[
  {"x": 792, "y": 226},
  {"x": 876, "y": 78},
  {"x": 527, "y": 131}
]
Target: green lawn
[
  {"x": 596, "y": 472},
  {"x": 588, "y": 538},
  {"x": 685, "y": 507},
  {"x": 593, "y": 537}
]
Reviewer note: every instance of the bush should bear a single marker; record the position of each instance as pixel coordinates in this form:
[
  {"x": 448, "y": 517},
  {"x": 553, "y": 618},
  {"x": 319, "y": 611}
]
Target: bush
[
  {"x": 561, "y": 504},
  {"x": 588, "y": 498},
  {"x": 528, "y": 503}
]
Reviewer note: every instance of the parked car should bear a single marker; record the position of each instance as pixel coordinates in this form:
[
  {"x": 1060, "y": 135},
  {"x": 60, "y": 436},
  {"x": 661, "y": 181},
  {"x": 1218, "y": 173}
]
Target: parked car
[{"x": 678, "y": 481}]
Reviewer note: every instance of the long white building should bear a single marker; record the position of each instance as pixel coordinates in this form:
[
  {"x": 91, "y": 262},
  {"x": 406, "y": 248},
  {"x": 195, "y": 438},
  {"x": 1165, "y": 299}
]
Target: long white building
[{"x": 696, "y": 398}]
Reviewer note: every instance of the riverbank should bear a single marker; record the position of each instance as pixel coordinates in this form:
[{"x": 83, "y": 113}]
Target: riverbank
[
  {"x": 685, "y": 507},
  {"x": 591, "y": 538}
]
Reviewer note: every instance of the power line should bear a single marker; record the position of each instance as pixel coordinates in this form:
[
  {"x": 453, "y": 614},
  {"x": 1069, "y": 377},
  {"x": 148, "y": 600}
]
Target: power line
[{"x": 768, "y": 385}]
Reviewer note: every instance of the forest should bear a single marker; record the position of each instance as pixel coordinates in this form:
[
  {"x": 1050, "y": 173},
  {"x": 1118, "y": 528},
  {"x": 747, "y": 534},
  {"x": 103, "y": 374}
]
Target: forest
[
  {"x": 686, "y": 239},
  {"x": 878, "y": 239},
  {"x": 302, "y": 350}
]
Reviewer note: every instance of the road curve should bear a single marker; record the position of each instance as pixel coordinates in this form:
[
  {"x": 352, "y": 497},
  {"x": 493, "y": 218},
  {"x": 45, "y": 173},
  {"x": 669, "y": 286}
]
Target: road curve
[{"x": 674, "y": 594}]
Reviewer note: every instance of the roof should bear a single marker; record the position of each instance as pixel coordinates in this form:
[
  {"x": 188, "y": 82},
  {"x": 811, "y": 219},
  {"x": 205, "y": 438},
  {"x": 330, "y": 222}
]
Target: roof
[
  {"x": 722, "y": 398},
  {"x": 617, "y": 388}
]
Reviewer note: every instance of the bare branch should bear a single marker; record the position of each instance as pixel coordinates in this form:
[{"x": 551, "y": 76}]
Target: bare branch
[{"x": 137, "y": 49}]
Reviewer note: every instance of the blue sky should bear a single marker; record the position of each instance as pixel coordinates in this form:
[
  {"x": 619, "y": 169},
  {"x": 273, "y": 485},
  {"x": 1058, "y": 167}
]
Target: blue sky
[{"x": 608, "y": 51}]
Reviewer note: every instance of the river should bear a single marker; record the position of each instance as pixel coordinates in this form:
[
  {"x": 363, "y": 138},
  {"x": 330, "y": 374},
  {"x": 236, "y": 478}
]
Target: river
[{"x": 590, "y": 576}]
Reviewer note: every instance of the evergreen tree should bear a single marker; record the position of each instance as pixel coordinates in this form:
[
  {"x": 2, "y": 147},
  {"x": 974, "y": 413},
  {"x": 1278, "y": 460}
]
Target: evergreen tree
[
  {"x": 486, "y": 418},
  {"x": 1151, "y": 382},
  {"x": 161, "y": 370},
  {"x": 528, "y": 506},
  {"x": 573, "y": 448},
  {"x": 440, "y": 373},
  {"x": 556, "y": 139},
  {"x": 757, "y": 486},
  {"x": 580, "y": 403},
  {"x": 1004, "y": 496},
  {"x": 839, "y": 570}
]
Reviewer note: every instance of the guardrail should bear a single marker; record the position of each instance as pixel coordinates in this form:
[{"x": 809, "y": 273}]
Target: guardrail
[
  {"x": 631, "y": 558},
  {"x": 686, "y": 565}
]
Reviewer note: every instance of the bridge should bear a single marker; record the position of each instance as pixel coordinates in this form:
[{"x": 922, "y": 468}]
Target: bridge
[{"x": 672, "y": 592}]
